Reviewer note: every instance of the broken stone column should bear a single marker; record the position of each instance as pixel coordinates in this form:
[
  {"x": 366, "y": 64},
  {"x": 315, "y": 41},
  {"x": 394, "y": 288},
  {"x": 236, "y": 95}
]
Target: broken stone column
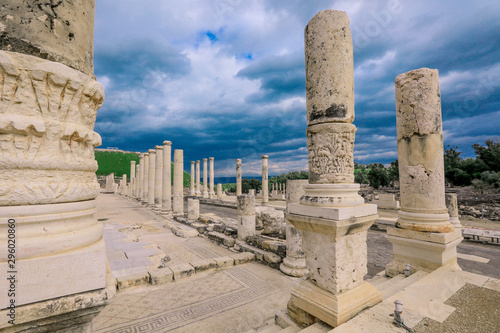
[
  {"x": 132, "y": 178},
  {"x": 192, "y": 191},
  {"x": 48, "y": 186},
  {"x": 294, "y": 263},
  {"x": 178, "y": 204},
  {"x": 423, "y": 236},
  {"x": 452, "y": 205},
  {"x": 331, "y": 216},
  {"x": 238, "y": 177},
  {"x": 151, "y": 177},
  {"x": 110, "y": 181},
  {"x": 219, "y": 191},
  {"x": 124, "y": 183},
  {"x": 205, "y": 178},
  {"x": 198, "y": 188},
  {"x": 193, "y": 212},
  {"x": 211, "y": 194},
  {"x": 166, "y": 195},
  {"x": 145, "y": 179},
  {"x": 246, "y": 216},
  {"x": 265, "y": 184},
  {"x": 140, "y": 178},
  {"x": 158, "y": 176}
]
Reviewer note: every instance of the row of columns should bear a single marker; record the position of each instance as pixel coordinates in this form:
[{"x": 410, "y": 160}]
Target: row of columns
[{"x": 208, "y": 179}]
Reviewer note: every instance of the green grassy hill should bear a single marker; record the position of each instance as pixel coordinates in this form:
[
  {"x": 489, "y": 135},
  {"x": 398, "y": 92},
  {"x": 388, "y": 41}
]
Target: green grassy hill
[{"x": 119, "y": 163}]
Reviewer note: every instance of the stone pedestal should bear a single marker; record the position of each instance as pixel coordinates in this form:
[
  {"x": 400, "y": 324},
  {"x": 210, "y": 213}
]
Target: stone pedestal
[
  {"x": 151, "y": 177},
  {"x": 427, "y": 239},
  {"x": 158, "y": 176},
  {"x": 192, "y": 191},
  {"x": 205, "y": 178},
  {"x": 198, "y": 188},
  {"x": 294, "y": 263},
  {"x": 246, "y": 216},
  {"x": 48, "y": 184},
  {"x": 331, "y": 216},
  {"x": 265, "y": 184},
  {"x": 386, "y": 201},
  {"x": 178, "y": 202},
  {"x": 211, "y": 194},
  {"x": 166, "y": 196},
  {"x": 193, "y": 212},
  {"x": 238, "y": 177}
]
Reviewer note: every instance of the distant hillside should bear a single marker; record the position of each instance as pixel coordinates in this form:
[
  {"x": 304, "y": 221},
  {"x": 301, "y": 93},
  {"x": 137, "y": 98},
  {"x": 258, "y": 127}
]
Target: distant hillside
[{"x": 119, "y": 162}]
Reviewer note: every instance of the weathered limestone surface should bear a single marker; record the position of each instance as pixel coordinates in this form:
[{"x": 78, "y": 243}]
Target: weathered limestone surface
[
  {"x": 265, "y": 185},
  {"x": 140, "y": 178},
  {"x": 193, "y": 212},
  {"x": 246, "y": 216},
  {"x": 192, "y": 191},
  {"x": 158, "y": 175},
  {"x": 212, "y": 192},
  {"x": 329, "y": 68},
  {"x": 110, "y": 182},
  {"x": 386, "y": 201},
  {"x": 178, "y": 202},
  {"x": 145, "y": 180},
  {"x": 205, "y": 178},
  {"x": 294, "y": 263},
  {"x": 151, "y": 177},
  {"x": 132, "y": 178},
  {"x": 272, "y": 221},
  {"x": 452, "y": 205},
  {"x": 198, "y": 188},
  {"x": 238, "y": 177},
  {"x": 219, "y": 191},
  {"x": 166, "y": 196},
  {"x": 58, "y": 31}
]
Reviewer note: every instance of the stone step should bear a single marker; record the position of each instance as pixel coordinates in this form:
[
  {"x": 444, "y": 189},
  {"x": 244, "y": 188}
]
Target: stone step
[
  {"x": 271, "y": 329},
  {"x": 268, "y": 258},
  {"x": 389, "y": 282},
  {"x": 220, "y": 238},
  {"x": 396, "y": 287},
  {"x": 290, "y": 329},
  {"x": 318, "y": 327},
  {"x": 378, "y": 279}
]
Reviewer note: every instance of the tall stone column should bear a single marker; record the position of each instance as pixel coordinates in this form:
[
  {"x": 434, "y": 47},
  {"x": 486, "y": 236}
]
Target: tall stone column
[
  {"x": 132, "y": 178},
  {"x": 246, "y": 216},
  {"x": 295, "y": 262},
  {"x": 219, "y": 191},
  {"x": 145, "y": 179},
  {"x": 140, "y": 178},
  {"x": 423, "y": 236},
  {"x": 198, "y": 188},
  {"x": 48, "y": 186},
  {"x": 192, "y": 191},
  {"x": 265, "y": 184},
  {"x": 178, "y": 205},
  {"x": 136, "y": 181},
  {"x": 124, "y": 182},
  {"x": 331, "y": 215},
  {"x": 211, "y": 194},
  {"x": 166, "y": 196},
  {"x": 151, "y": 177},
  {"x": 238, "y": 177},
  {"x": 158, "y": 176},
  {"x": 205, "y": 178}
]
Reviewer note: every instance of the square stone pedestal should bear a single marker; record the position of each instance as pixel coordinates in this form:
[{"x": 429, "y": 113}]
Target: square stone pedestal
[
  {"x": 422, "y": 250},
  {"x": 334, "y": 244}
]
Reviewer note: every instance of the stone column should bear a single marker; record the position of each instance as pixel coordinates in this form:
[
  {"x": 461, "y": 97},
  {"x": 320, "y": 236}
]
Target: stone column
[
  {"x": 158, "y": 176},
  {"x": 151, "y": 177},
  {"x": 136, "y": 181},
  {"x": 193, "y": 212},
  {"x": 110, "y": 181},
  {"x": 205, "y": 178},
  {"x": 211, "y": 194},
  {"x": 192, "y": 191},
  {"x": 246, "y": 216},
  {"x": 132, "y": 178},
  {"x": 265, "y": 184},
  {"x": 238, "y": 177},
  {"x": 452, "y": 205},
  {"x": 48, "y": 186},
  {"x": 178, "y": 204},
  {"x": 124, "y": 182},
  {"x": 423, "y": 236},
  {"x": 295, "y": 262},
  {"x": 198, "y": 188},
  {"x": 140, "y": 178},
  {"x": 331, "y": 215},
  {"x": 166, "y": 196},
  {"x": 219, "y": 191},
  {"x": 145, "y": 179}
]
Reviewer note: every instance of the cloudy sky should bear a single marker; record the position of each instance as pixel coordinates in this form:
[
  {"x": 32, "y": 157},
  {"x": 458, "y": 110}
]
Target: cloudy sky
[{"x": 226, "y": 78}]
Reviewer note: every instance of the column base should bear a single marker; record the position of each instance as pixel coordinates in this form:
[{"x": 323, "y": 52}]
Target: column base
[
  {"x": 205, "y": 195},
  {"x": 294, "y": 267},
  {"x": 333, "y": 309},
  {"x": 427, "y": 222},
  {"x": 425, "y": 251}
]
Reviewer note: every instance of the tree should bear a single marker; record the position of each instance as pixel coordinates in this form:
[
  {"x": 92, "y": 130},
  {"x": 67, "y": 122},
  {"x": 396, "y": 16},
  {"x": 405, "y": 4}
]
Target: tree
[
  {"x": 393, "y": 172},
  {"x": 377, "y": 176},
  {"x": 490, "y": 154}
]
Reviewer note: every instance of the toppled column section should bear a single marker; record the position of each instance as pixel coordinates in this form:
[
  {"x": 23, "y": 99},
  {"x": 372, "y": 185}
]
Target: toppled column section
[
  {"x": 331, "y": 216},
  {"x": 295, "y": 262},
  {"x": 246, "y": 216},
  {"x": 178, "y": 202},
  {"x": 238, "y": 177},
  {"x": 166, "y": 196},
  {"x": 423, "y": 236}
]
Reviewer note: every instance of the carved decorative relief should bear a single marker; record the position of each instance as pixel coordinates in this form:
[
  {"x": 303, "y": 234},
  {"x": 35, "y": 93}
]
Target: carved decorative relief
[
  {"x": 331, "y": 153},
  {"x": 47, "y": 116}
]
